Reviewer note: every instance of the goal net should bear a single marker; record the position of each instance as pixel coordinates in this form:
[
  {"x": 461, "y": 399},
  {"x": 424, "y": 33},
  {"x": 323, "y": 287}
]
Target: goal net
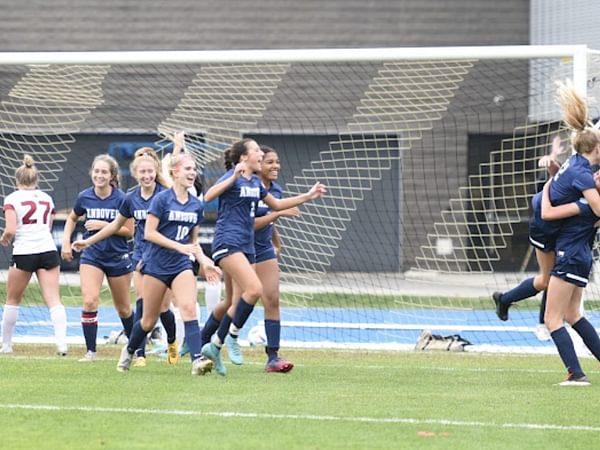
[{"x": 430, "y": 157}]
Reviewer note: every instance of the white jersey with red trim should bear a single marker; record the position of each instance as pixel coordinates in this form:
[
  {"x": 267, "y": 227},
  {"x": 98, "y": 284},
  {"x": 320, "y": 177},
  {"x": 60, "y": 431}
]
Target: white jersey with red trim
[{"x": 34, "y": 210}]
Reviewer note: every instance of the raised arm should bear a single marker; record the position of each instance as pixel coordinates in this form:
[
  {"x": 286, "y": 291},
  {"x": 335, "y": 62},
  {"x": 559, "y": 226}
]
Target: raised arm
[
  {"x": 278, "y": 204},
  {"x": 217, "y": 189},
  {"x": 178, "y": 143},
  {"x": 551, "y": 162}
]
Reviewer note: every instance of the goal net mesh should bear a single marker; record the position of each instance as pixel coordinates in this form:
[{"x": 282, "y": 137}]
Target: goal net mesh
[{"x": 430, "y": 167}]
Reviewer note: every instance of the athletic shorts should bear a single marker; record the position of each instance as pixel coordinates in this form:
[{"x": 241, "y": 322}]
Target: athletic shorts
[
  {"x": 112, "y": 268},
  {"x": 31, "y": 263},
  {"x": 166, "y": 279},
  {"x": 221, "y": 252},
  {"x": 265, "y": 254},
  {"x": 541, "y": 240},
  {"x": 573, "y": 269}
]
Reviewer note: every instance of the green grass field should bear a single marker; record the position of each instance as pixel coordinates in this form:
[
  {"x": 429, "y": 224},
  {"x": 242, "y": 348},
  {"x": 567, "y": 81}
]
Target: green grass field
[{"x": 330, "y": 400}]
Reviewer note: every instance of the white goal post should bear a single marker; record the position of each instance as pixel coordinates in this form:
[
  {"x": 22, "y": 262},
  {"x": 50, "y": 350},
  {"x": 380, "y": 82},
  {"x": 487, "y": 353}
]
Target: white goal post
[{"x": 429, "y": 154}]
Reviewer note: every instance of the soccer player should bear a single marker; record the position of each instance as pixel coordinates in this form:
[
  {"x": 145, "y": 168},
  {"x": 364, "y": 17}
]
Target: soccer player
[
  {"x": 543, "y": 245},
  {"x": 28, "y": 216},
  {"x": 146, "y": 169},
  {"x": 569, "y": 277},
  {"x": 268, "y": 246},
  {"x": 239, "y": 191},
  {"x": 575, "y": 236},
  {"x": 100, "y": 205},
  {"x": 172, "y": 235}
]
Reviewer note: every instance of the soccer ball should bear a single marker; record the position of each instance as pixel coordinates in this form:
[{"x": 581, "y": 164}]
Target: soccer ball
[{"x": 257, "y": 336}]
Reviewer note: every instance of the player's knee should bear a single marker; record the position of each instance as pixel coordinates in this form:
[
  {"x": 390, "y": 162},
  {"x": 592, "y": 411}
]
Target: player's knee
[
  {"x": 254, "y": 292},
  {"x": 148, "y": 323},
  {"x": 572, "y": 317},
  {"x": 541, "y": 282},
  {"x": 90, "y": 303}
]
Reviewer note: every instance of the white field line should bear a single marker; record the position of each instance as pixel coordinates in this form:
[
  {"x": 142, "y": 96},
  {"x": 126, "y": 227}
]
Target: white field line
[{"x": 298, "y": 417}]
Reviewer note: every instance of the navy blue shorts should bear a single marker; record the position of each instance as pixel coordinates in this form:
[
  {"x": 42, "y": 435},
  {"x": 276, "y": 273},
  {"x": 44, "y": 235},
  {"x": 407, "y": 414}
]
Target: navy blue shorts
[
  {"x": 223, "y": 251},
  {"x": 31, "y": 263},
  {"x": 166, "y": 279},
  {"x": 112, "y": 268},
  {"x": 574, "y": 268},
  {"x": 541, "y": 240},
  {"x": 265, "y": 254}
]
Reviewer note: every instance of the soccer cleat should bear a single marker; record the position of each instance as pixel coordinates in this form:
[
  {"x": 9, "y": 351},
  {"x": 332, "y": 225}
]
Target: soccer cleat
[
  {"x": 201, "y": 366},
  {"x": 140, "y": 361},
  {"x": 278, "y": 365},
  {"x": 173, "y": 353},
  {"x": 7, "y": 349},
  {"x": 125, "y": 360},
  {"x": 90, "y": 356},
  {"x": 233, "y": 350},
  {"x": 573, "y": 380},
  {"x": 212, "y": 352},
  {"x": 501, "y": 308}
]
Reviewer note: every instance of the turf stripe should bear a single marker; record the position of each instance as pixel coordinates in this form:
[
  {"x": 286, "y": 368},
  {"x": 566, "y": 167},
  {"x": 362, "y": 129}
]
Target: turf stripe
[{"x": 307, "y": 417}]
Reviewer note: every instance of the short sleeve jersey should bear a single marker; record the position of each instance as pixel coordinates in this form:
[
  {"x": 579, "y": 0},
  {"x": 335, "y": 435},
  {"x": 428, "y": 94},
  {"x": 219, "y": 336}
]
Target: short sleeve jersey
[
  {"x": 91, "y": 206},
  {"x": 34, "y": 210},
  {"x": 263, "y": 238},
  {"x": 175, "y": 221},
  {"x": 574, "y": 177},
  {"x": 137, "y": 207},
  {"x": 235, "y": 217}
]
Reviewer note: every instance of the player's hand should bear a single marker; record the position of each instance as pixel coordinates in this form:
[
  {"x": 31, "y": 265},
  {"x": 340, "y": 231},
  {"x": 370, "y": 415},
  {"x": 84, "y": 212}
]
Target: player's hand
[
  {"x": 211, "y": 273},
  {"x": 4, "y": 240},
  {"x": 239, "y": 169},
  {"x": 291, "y": 212},
  {"x": 557, "y": 148},
  {"x": 79, "y": 245},
  {"x": 316, "y": 191},
  {"x": 66, "y": 253},
  {"x": 545, "y": 161},
  {"x": 178, "y": 142}
]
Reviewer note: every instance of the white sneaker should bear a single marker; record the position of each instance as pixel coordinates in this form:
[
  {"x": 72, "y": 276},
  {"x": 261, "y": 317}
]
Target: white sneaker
[
  {"x": 542, "y": 333},
  {"x": 7, "y": 348},
  {"x": 201, "y": 366},
  {"x": 90, "y": 356},
  {"x": 574, "y": 381},
  {"x": 61, "y": 350},
  {"x": 125, "y": 360}
]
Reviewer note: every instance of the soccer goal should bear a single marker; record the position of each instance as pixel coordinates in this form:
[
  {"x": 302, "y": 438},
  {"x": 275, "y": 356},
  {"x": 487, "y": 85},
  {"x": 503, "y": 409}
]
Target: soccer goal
[{"x": 429, "y": 155}]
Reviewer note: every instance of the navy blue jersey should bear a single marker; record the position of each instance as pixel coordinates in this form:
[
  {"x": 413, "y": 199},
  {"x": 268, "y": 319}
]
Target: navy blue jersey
[
  {"x": 574, "y": 177},
  {"x": 574, "y": 245},
  {"x": 91, "y": 206},
  {"x": 263, "y": 238},
  {"x": 235, "y": 217},
  {"x": 137, "y": 207},
  {"x": 175, "y": 221}
]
